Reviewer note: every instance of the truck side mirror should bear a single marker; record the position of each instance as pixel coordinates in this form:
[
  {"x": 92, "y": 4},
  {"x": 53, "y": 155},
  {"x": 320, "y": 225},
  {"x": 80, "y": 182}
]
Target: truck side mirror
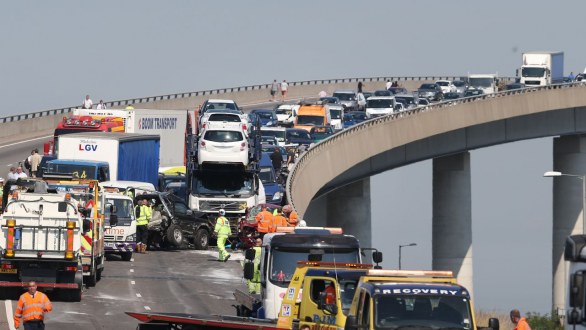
[
  {"x": 112, "y": 208},
  {"x": 493, "y": 323},
  {"x": 250, "y": 254},
  {"x": 574, "y": 316},
  {"x": 86, "y": 225},
  {"x": 249, "y": 270},
  {"x": 577, "y": 290},
  {"x": 113, "y": 220},
  {"x": 377, "y": 257}
]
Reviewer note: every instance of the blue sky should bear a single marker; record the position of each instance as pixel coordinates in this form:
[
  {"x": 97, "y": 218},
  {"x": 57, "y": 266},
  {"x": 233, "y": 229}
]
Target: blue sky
[{"x": 54, "y": 53}]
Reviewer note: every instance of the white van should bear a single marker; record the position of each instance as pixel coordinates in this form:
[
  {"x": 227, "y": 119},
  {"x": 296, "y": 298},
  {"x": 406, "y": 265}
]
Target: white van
[
  {"x": 336, "y": 115},
  {"x": 377, "y": 106},
  {"x": 286, "y": 114}
]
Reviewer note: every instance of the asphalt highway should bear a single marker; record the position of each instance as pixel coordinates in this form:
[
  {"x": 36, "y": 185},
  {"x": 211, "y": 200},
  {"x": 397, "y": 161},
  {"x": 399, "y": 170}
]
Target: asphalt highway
[{"x": 181, "y": 281}]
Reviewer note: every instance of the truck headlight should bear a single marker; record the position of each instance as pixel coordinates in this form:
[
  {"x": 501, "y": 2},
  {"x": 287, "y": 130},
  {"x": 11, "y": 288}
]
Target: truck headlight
[
  {"x": 277, "y": 195},
  {"x": 131, "y": 238}
]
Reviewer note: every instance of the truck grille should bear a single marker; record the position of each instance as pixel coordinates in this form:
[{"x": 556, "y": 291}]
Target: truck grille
[
  {"x": 113, "y": 238},
  {"x": 228, "y": 206}
]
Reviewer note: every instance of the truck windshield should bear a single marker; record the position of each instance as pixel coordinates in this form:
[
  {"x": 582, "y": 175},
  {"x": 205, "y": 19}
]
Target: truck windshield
[
  {"x": 379, "y": 104},
  {"x": 345, "y": 96},
  {"x": 281, "y": 111},
  {"x": 124, "y": 209},
  {"x": 76, "y": 170},
  {"x": 226, "y": 184},
  {"x": 310, "y": 120},
  {"x": 267, "y": 175},
  {"x": 284, "y": 261},
  {"x": 279, "y": 134},
  {"x": 428, "y": 311},
  {"x": 336, "y": 113},
  {"x": 533, "y": 72},
  {"x": 481, "y": 82}
]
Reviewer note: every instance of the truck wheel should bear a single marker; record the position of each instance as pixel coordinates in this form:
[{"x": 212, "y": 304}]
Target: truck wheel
[
  {"x": 174, "y": 235},
  {"x": 201, "y": 239},
  {"x": 126, "y": 256},
  {"x": 99, "y": 274},
  {"x": 91, "y": 280}
]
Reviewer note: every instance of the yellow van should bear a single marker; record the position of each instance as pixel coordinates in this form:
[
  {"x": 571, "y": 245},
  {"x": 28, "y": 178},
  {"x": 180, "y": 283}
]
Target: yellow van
[{"x": 312, "y": 115}]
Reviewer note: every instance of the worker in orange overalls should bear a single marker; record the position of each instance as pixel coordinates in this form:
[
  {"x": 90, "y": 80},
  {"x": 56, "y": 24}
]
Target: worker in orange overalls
[
  {"x": 330, "y": 292},
  {"x": 520, "y": 322},
  {"x": 31, "y": 308},
  {"x": 292, "y": 217},
  {"x": 264, "y": 219},
  {"x": 279, "y": 220}
]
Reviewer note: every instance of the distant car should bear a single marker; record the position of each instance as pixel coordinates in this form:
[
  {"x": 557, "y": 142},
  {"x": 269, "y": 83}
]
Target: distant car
[
  {"x": 336, "y": 113},
  {"x": 217, "y": 104},
  {"x": 377, "y": 106},
  {"x": 165, "y": 179},
  {"x": 430, "y": 91},
  {"x": 398, "y": 90},
  {"x": 277, "y": 132},
  {"x": 286, "y": 114},
  {"x": 329, "y": 100},
  {"x": 267, "y": 117},
  {"x": 298, "y": 136},
  {"x": 270, "y": 148},
  {"x": 514, "y": 86},
  {"x": 319, "y": 133},
  {"x": 349, "y": 120},
  {"x": 274, "y": 191},
  {"x": 347, "y": 99},
  {"x": 224, "y": 115},
  {"x": 452, "y": 96},
  {"x": 446, "y": 85},
  {"x": 270, "y": 140},
  {"x": 423, "y": 102},
  {"x": 223, "y": 143},
  {"x": 359, "y": 116},
  {"x": 382, "y": 92},
  {"x": 410, "y": 101},
  {"x": 473, "y": 92},
  {"x": 460, "y": 85}
]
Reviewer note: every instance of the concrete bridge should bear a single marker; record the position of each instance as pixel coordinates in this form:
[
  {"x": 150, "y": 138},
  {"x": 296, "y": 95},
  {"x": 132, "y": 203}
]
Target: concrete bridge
[{"x": 328, "y": 178}]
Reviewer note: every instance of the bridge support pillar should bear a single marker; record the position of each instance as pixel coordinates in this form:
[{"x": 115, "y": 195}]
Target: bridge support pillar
[
  {"x": 347, "y": 207},
  {"x": 569, "y": 157},
  {"x": 452, "y": 217}
]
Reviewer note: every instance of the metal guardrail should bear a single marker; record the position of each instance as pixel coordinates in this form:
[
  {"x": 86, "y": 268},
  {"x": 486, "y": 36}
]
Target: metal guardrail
[
  {"x": 323, "y": 145},
  {"x": 139, "y": 100}
]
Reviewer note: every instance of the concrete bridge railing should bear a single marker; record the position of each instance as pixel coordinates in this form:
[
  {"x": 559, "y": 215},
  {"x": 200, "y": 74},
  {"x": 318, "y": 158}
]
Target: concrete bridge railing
[{"x": 20, "y": 127}]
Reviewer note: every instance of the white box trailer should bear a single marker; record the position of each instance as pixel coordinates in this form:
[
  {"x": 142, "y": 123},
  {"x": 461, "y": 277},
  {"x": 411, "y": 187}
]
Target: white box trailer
[
  {"x": 542, "y": 68},
  {"x": 170, "y": 125}
]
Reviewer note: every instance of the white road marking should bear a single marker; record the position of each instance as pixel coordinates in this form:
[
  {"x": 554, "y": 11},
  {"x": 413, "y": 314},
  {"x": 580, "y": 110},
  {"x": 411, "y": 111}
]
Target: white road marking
[
  {"x": 131, "y": 259},
  {"x": 132, "y": 282},
  {"x": 147, "y": 308},
  {"x": 25, "y": 141},
  {"x": 9, "y": 315},
  {"x": 9, "y": 165},
  {"x": 132, "y": 270},
  {"x": 139, "y": 295}
]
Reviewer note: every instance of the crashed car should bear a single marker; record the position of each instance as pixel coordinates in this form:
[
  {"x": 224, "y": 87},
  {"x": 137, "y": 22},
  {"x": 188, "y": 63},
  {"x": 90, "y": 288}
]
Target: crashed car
[{"x": 174, "y": 224}]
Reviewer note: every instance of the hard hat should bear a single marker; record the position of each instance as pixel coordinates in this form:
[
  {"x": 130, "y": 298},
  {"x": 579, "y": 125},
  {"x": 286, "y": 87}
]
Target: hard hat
[{"x": 222, "y": 212}]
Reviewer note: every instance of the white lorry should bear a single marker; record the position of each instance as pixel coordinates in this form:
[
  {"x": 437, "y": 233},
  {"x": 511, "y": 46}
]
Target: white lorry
[
  {"x": 41, "y": 237},
  {"x": 120, "y": 223},
  {"x": 487, "y": 83},
  {"x": 542, "y": 68},
  {"x": 170, "y": 125}
]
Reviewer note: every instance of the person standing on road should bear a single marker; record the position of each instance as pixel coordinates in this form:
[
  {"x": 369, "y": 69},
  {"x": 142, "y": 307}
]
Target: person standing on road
[
  {"x": 254, "y": 283},
  {"x": 222, "y": 230},
  {"x": 143, "y": 215},
  {"x": 520, "y": 322},
  {"x": 87, "y": 103},
  {"x": 284, "y": 89},
  {"x": 31, "y": 308},
  {"x": 276, "y": 160},
  {"x": 35, "y": 162},
  {"x": 274, "y": 89},
  {"x": 388, "y": 84}
]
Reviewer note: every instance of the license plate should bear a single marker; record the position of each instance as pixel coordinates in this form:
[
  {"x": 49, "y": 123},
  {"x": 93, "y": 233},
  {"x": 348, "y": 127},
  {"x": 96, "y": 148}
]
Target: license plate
[
  {"x": 8, "y": 271},
  {"x": 109, "y": 245}
]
